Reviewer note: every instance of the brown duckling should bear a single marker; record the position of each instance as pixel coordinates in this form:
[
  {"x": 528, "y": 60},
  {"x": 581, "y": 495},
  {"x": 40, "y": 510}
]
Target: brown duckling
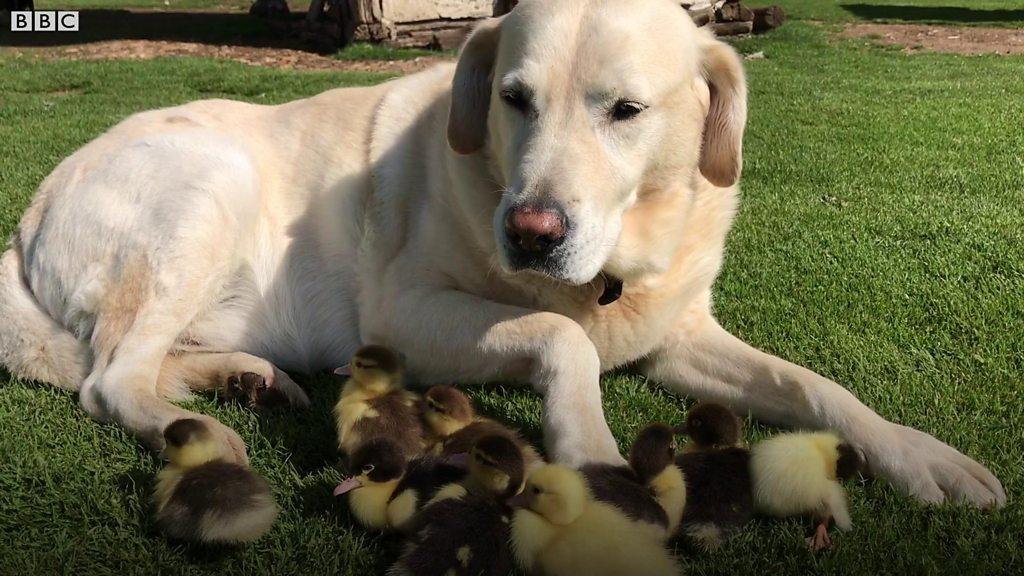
[
  {"x": 374, "y": 404},
  {"x": 719, "y": 500},
  {"x": 650, "y": 490},
  {"x": 425, "y": 476},
  {"x": 717, "y": 471},
  {"x": 201, "y": 496},
  {"x": 454, "y": 425},
  {"x": 711, "y": 426},
  {"x": 799, "y": 474},
  {"x": 469, "y": 534}
]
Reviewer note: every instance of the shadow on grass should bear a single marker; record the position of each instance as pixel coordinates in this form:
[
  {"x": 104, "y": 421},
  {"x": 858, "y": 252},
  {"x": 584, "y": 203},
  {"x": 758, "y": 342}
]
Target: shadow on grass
[
  {"x": 215, "y": 28},
  {"x": 932, "y": 13}
]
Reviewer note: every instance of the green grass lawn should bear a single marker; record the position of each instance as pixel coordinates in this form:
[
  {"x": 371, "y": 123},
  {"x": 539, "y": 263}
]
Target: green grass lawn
[
  {"x": 879, "y": 243},
  {"x": 1007, "y": 13}
]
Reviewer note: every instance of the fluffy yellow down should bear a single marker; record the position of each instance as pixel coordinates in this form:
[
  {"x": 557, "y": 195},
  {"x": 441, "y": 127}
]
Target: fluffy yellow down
[
  {"x": 591, "y": 537},
  {"x": 794, "y": 474}
]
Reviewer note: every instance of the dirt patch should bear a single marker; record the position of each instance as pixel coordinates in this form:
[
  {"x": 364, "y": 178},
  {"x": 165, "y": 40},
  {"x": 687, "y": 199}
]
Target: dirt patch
[
  {"x": 252, "y": 55},
  {"x": 953, "y": 39}
]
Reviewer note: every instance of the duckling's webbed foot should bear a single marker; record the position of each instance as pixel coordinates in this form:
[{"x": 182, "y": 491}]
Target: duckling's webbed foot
[{"x": 820, "y": 540}]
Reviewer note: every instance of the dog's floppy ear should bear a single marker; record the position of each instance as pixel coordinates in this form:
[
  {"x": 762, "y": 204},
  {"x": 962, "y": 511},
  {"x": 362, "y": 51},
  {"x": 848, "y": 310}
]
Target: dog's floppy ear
[
  {"x": 721, "y": 157},
  {"x": 471, "y": 88}
]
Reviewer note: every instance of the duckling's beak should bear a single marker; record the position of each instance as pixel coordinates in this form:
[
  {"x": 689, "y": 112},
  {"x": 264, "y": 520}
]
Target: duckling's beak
[
  {"x": 521, "y": 500},
  {"x": 345, "y": 370},
  {"x": 347, "y": 485},
  {"x": 461, "y": 460}
]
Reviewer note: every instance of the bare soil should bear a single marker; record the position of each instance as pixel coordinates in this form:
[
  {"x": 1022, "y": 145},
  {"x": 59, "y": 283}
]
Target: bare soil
[
  {"x": 951, "y": 39},
  {"x": 252, "y": 55}
]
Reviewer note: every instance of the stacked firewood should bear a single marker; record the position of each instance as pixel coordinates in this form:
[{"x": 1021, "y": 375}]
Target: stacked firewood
[
  {"x": 444, "y": 23},
  {"x": 731, "y": 17},
  {"x": 724, "y": 17}
]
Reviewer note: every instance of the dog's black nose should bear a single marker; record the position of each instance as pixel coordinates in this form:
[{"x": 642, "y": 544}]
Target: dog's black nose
[{"x": 534, "y": 229}]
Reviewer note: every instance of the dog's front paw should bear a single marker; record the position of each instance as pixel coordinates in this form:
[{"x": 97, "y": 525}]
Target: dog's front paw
[
  {"x": 932, "y": 471},
  {"x": 581, "y": 449}
]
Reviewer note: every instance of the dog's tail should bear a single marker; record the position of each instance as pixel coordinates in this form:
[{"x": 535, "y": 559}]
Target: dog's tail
[{"x": 32, "y": 345}]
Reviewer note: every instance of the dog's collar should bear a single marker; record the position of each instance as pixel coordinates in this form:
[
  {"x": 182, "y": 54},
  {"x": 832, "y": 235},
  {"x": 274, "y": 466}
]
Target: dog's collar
[{"x": 612, "y": 290}]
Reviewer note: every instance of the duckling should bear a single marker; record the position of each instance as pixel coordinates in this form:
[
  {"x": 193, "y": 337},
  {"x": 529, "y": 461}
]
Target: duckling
[
  {"x": 455, "y": 427},
  {"x": 378, "y": 465},
  {"x": 798, "y": 474},
  {"x": 650, "y": 490},
  {"x": 561, "y": 530},
  {"x": 469, "y": 534},
  {"x": 717, "y": 471},
  {"x": 200, "y": 496},
  {"x": 373, "y": 404},
  {"x": 718, "y": 494},
  {"x": 424, "y": 478},
  {"x": 711, "y": 426}
]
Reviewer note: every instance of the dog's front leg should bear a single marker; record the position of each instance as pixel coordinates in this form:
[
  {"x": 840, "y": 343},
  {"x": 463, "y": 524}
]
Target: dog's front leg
[
  {"x": 451, "y": 336},
  {"x": 702, "y": 359}
]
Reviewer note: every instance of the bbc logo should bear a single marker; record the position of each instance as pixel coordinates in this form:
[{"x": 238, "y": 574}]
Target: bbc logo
[{"x": 44, "y": 21}]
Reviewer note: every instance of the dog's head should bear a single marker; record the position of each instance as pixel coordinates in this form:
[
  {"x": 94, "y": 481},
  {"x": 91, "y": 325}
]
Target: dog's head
[{"x": 585, "y": 108}]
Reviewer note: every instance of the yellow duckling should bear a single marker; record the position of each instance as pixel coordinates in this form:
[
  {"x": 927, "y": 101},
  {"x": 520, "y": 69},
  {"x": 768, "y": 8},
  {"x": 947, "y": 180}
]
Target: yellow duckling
[
  {"x": 798, "y": 474},
  {"x": 560, "y": 530},
  {"x": 454, "y": 426},
  {"x": 200, "y": 496},
  {"x": 467, "y": 533},
  {"x": 374, "y": 404},
  {"x": 378, "y": 467}
]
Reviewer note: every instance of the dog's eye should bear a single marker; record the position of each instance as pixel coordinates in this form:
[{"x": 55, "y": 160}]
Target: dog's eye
[
  {"x": 626, "y": 110},
  {"x": 517, "y": 99}
]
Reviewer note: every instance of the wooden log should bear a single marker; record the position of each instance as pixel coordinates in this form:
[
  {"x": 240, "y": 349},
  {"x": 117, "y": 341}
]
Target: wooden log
[
  {"x": 702, "y": 16},
  {"x": 734, "y": 12},
  {"x": 731, "y": 28},
  {"x": 768, "y": 18}
]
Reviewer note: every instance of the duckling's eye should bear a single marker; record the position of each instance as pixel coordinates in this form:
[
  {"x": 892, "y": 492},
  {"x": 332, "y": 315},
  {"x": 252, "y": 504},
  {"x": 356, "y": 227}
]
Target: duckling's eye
[
  {"x": 627, "y": 110},
  {"x": 535, "y": 490},
  {"x": 368, "y": 468}
]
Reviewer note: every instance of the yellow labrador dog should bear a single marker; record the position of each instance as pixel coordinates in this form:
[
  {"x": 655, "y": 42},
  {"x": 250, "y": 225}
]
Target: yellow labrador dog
[{"x": 554, "y": 206}]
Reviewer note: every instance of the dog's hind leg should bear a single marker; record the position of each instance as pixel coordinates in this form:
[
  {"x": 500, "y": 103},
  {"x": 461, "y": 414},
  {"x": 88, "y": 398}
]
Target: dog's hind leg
[
  {"x": 238, "y": 375},
  {"x": 148, "y": 303},
  {"x": 131, "y": 343}
]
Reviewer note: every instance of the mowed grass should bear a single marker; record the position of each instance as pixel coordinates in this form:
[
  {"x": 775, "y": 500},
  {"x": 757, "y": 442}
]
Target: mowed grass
[
  {"x": 1003, "y": 13},
  {"x": 879, "y": 242}
]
